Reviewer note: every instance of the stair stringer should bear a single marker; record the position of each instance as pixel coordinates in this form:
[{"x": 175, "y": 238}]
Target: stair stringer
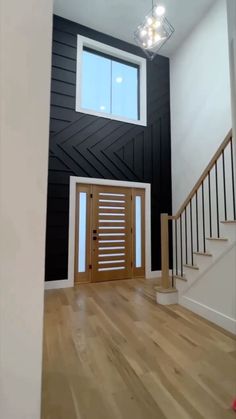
[
  {"x": 197, "y": 279},
  {"x": 217, "y": 249}
]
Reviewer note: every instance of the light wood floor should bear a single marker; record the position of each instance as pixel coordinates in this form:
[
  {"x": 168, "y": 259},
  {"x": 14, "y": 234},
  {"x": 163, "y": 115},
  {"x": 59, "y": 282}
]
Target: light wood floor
[{"x": 110, "y": 352}]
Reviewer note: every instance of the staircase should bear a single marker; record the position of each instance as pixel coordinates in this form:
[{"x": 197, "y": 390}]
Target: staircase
[{"x": 199, "y": 243}]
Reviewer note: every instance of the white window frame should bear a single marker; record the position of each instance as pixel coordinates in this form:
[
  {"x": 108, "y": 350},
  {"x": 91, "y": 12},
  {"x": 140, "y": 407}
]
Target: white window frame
[{"x": 120, "y": 54}]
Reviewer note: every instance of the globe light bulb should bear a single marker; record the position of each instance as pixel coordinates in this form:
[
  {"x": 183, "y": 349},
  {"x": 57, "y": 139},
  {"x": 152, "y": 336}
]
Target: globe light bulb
[
  {"x": 157, "y": 24},
  {"x": 160, "y": 10},
  {"x": 149, "y": 20},
  {"x": 143, "y": 32},
  {"x": 149, "y": 42}
]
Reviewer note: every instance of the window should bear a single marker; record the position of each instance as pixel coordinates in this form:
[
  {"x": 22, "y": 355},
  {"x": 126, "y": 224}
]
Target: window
[
  {"x": 110, "y": 82},
  {"x": 109, "y": 86}
]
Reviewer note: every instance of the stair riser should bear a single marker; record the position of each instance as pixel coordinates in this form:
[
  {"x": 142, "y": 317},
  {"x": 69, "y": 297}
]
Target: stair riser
[
  {"x": 217, "y": 247},
  {"x": 229, "y": 231},
  {"x": 203, "y": 261},
  {"x": 191, "y": 275}
]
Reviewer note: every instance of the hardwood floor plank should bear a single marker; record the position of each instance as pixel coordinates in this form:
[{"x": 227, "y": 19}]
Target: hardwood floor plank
[
  {"x": 110, "y": 352},
  {"x": 172, "y": 403}
]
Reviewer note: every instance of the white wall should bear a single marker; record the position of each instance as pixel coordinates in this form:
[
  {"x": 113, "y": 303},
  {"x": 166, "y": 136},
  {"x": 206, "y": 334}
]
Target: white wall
[
  {"x": 200, "y": 119},
  {"x": 213, "y": 295},
  {"x": 200, "y": 100},
  {"x": 25, "y": 55}
]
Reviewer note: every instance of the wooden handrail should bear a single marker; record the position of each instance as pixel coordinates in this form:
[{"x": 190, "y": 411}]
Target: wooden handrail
[{"x": 214, "y": 159}]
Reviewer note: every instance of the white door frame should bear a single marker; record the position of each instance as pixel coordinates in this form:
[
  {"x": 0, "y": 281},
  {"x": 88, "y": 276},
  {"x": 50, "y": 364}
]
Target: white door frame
[{"x": 74, "y": 180}]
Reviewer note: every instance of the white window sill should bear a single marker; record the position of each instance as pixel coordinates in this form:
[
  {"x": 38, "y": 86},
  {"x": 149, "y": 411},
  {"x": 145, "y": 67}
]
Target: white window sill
[{"x": 111, "y": 117}]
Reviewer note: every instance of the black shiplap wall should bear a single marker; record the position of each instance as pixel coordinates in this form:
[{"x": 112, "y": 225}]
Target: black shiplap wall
[{"x": 90, "y": 146}]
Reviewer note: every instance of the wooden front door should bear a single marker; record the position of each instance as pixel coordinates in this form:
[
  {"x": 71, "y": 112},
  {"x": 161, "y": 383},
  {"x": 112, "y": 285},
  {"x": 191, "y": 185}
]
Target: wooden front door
[{"x": 110, "y": 235}]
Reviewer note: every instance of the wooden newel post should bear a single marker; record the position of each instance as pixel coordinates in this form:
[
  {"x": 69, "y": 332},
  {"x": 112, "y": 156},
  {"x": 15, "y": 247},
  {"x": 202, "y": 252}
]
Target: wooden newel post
[{"x": 165, "y": 251}]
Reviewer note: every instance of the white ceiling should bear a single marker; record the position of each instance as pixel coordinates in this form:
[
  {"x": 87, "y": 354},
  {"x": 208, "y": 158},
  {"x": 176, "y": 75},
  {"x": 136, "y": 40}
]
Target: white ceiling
[{"x": 120, "y": 18}]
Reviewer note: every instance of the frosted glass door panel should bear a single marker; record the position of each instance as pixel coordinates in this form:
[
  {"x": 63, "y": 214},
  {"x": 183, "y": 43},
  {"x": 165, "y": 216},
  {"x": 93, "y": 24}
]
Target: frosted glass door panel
[
  {"x": 138, "y": 232},
  {"x": 82, "y": 232}
]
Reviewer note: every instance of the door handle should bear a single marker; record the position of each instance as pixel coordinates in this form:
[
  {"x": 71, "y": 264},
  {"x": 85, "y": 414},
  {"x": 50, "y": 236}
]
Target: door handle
[
  {"x": 94, "y": 238},
  {"x": 94, "y": 231}
]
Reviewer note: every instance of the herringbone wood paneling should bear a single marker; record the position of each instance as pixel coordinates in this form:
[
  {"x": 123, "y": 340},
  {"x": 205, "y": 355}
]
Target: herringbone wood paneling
[{"x": 90, "y": 146}]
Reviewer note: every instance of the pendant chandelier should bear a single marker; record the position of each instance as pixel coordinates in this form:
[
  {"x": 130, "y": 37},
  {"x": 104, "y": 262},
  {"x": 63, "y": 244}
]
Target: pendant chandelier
[{"x": 154, "y": 32}]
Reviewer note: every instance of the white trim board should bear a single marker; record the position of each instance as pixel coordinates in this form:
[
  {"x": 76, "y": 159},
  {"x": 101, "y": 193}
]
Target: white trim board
[
  {"x": 54, "y": 285},
  {"x": 209, "y": 313},
  {"x": 157, "y": 274},
  {"x": 64, "y": 283},
  {"x": 82, "y": 42},
  {"x": 74, "y": 180}
]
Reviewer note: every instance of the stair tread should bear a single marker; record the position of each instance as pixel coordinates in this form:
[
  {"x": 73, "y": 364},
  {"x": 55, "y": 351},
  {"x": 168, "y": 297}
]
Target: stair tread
[
  {"x": 182, "y": 278},
  {"x": 229, "y": 222},
  {"x": 222, "y": 239},
  {"x": 202, "y": 254},
  {"x": 191, "y": 266}
]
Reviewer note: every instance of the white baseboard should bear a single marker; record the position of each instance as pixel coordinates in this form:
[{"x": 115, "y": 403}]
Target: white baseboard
[
  {"x": 226, "y": 322},
  {"x": 153, "y": 274},
  {"x": 66, "y": 283},
  {"x": 156, "y": 274},
  {"x": 53, "y": 285}
]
